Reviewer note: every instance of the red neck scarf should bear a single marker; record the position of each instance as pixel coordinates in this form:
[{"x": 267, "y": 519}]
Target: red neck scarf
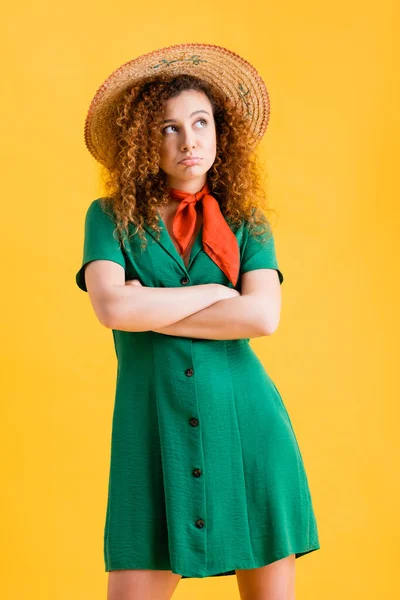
[{"x": 219, "y": 241}]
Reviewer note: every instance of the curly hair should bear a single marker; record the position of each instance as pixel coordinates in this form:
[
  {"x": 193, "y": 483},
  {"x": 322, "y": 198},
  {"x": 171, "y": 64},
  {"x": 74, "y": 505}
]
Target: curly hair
[{"x": 136, "y": 186}]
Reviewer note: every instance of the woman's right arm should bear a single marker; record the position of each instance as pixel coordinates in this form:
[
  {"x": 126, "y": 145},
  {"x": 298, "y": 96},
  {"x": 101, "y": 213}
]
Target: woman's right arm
[{"x": 139, "y": 308}]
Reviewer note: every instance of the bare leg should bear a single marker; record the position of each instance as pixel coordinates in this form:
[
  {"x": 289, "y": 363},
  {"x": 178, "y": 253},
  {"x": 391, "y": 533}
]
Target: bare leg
[
  {"x": 275, "y": 581},
  {"x": 141, "y": 584}
]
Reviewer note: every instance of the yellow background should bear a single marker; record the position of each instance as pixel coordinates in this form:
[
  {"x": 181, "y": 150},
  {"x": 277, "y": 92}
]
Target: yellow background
[{"x": 331, "y": 150}]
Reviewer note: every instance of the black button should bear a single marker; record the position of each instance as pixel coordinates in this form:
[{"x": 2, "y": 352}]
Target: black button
[
  {"x": 199, "y": 523},
  {"x": 196, "y": 472},
  {"x": 184, "y": 280},
  {"x": 189, "y": 372},
  {"x": 194, "y": 422}
]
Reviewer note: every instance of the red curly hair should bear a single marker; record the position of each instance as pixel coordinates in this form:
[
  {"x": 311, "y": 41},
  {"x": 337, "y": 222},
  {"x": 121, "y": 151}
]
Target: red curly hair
[{"x": 135, "y": 185}]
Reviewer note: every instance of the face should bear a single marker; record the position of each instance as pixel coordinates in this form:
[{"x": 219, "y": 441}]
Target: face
[{"x": 188, "y": 131}]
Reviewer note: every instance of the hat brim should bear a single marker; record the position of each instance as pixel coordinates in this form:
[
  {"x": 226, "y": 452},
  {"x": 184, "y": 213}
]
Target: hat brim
[{"x": 219, "y": 66}]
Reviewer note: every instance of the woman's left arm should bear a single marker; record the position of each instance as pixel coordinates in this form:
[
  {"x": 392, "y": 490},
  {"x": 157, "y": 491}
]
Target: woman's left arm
[{"x": 254, "y": 313}]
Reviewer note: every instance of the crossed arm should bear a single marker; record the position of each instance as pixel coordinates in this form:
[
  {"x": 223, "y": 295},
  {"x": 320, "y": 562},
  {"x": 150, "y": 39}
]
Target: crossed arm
[
  {"x": 228, "y": 319},
  {"x": 208, "y": 311},
  {"x": 254, "y": 313}
]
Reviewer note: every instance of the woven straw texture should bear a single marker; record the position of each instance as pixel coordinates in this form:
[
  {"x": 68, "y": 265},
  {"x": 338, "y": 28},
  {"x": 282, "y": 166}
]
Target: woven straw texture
[{"x": 219, "y": 66}]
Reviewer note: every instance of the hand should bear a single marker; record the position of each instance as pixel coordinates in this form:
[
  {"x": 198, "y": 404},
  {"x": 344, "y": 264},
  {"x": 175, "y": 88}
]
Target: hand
[
  {"x": 227, "y": 292},
  {"x": 134, "y": 282}
]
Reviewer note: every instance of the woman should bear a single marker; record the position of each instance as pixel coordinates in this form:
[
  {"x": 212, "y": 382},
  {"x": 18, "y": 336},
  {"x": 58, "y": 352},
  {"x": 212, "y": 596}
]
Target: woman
[{"x": 206, "y": 475}]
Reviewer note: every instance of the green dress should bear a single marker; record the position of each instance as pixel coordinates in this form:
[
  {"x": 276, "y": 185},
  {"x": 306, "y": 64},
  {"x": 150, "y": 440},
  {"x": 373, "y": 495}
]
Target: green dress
[{"x": 206, "y": 475}]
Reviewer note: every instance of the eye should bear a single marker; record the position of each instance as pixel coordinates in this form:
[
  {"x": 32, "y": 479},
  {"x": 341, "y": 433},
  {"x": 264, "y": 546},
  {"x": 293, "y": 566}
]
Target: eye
[
  {"x": 165, "y": 128},
  {"x": 198, "y": 121}
]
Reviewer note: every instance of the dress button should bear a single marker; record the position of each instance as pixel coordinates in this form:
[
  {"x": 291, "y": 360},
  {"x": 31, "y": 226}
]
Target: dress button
[
  {"x": 189, "y": 372},
  {"x": 196, "y": 472},
  {"x": 194, "y": 422},
  {"x": 199, "y": 523},
  {"x": 184, "y": 280}
]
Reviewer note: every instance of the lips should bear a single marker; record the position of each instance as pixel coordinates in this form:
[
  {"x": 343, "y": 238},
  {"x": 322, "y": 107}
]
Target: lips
[{"x": 190, "y": 161}]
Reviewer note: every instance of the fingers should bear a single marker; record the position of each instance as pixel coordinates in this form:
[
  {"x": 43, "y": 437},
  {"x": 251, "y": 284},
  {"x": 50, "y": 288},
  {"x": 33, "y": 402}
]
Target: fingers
[{"x": 134, "y": 282}]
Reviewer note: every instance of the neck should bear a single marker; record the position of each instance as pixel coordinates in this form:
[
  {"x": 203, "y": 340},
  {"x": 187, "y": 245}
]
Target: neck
[{"x": 191, "y": 186}]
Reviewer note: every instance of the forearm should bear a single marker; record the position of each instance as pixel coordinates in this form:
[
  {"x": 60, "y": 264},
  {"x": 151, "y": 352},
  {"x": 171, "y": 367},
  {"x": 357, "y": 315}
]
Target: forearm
[
  {"x": 139, "y": 308},
  {"x": 229, "y": 319}
]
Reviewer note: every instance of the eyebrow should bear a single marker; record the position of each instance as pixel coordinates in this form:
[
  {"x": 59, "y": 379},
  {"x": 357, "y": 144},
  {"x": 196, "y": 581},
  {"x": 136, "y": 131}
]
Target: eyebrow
[{"x": 193, "y": 113}]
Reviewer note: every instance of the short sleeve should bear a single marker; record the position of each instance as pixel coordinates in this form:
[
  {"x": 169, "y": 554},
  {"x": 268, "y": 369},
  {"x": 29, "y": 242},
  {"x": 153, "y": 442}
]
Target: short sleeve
[
  {"x": 259, "y": 252},
  {"x": 99, "y": 241}
]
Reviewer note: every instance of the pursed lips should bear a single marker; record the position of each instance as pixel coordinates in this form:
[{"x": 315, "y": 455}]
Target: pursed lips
[{"x": 191, "y": 159}]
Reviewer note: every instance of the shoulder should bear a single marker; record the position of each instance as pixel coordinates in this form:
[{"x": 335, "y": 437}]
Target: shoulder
[
  {"x": 100, "y": 213},
  {"x": 101, "y": 206}
]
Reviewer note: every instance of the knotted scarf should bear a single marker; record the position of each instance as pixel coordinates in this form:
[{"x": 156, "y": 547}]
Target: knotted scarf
[{"x": 219, "y": 241}]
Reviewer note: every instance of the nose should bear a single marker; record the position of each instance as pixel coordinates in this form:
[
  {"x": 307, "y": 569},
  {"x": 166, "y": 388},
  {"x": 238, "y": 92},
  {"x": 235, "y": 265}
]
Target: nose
[{"x": 188, "y": 140}]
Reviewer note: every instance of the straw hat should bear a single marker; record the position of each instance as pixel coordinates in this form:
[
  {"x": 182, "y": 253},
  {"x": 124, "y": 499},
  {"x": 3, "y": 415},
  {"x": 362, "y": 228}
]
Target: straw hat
[{"x": 220, "y": 67}]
